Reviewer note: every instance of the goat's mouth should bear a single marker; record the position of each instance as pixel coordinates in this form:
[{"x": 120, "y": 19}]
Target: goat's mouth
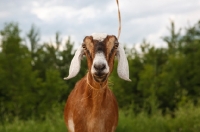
[{"x": 100, "y": 78}]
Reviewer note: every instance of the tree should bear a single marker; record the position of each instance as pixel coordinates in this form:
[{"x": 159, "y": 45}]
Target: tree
[{"x": 16, "y": 77}]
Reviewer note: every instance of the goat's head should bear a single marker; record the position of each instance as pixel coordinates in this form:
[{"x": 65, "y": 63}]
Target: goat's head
[{"x": 100, "y": 51}]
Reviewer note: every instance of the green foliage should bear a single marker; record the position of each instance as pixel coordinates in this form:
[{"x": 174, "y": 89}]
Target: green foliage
[
  {"x": 187, "y": 120},
  {"x": 16, "y": 75},
  {"x": 30, "y": 80},
  {"x": 169, "y": 77},
  {"x": 53, "y": 123}
]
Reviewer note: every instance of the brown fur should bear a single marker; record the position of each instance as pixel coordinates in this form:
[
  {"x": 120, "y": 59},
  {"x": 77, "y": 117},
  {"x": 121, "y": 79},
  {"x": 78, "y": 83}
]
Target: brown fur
[{"x": 93, "y": 110}]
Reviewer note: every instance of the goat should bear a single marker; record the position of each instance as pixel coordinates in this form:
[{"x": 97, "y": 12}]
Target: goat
[{"x": 91, "y": 106}]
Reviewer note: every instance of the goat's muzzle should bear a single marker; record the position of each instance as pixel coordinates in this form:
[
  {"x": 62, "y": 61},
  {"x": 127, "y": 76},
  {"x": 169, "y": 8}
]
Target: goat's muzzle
[
  {"x": 100, "y": 78},
  {"x": 99, "y": 74},
  {"x": 100, "y": 68}
]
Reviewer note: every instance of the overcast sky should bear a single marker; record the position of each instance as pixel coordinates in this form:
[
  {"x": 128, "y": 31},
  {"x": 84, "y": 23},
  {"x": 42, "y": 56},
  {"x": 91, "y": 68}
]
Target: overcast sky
[{"x": 141, "y": 19}]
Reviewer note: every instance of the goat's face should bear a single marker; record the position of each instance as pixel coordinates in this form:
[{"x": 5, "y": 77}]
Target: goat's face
[
  {"x": 100, "y": 51},
  {"x": 100, "y": 56}
]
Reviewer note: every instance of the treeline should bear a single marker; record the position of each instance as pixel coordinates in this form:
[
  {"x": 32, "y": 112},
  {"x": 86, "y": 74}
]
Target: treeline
[
  {"x": 163, "y": 78},
  {"x": 31, "y": 73}
]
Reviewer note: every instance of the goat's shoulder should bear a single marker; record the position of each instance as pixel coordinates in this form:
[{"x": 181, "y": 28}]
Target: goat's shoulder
[{"x": 79, "y": 87}]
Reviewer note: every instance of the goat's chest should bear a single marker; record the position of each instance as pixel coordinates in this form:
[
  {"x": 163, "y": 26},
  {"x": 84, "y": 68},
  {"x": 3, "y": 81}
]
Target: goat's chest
[
  {"x": 97, "y": 113},
  {"x": 100, "y": 115},
  {"x": 100, "y": 120}
]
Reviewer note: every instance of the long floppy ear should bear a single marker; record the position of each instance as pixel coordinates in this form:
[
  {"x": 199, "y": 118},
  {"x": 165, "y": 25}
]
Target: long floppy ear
[
  {"x": 75, "y": 63},
  {"x": 122, "y": 68}
]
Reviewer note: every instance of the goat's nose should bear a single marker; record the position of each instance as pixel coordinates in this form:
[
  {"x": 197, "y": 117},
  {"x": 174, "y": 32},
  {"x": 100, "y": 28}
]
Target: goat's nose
[{"x": 99, "y": 67}]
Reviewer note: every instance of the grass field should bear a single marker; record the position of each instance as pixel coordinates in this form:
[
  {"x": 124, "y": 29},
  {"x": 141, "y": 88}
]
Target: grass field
[{"x": 187, "y": 120}]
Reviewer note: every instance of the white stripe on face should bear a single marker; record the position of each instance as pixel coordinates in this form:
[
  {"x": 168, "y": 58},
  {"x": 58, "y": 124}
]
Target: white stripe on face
[{"x": 100, "y": 59}]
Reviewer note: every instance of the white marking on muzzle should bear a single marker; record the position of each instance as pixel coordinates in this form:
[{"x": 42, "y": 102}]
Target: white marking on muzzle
[{"x": 100, "y": 59}]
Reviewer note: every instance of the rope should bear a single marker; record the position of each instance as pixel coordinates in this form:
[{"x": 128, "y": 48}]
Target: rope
[
  {"x": 119, "y": 17},
  {"x": 94, "y": 87}
]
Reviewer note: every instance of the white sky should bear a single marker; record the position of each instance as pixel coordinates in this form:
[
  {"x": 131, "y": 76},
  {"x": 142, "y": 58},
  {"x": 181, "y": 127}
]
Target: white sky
[{"x": 141, "y": 19}]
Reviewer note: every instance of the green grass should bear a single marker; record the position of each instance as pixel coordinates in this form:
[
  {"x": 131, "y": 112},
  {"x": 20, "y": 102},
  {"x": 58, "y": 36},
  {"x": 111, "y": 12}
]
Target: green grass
[
  {"x": 187, "y": 120},
  {"x": 54, "y": 123}
]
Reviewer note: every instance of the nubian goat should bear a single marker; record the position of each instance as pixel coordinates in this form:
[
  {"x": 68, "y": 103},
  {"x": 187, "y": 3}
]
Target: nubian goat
[{"x": 91, "y": 106}]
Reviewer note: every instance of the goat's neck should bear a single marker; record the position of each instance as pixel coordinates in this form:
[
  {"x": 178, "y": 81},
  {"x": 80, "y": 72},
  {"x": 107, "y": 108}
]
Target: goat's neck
[
  {"x": 95, "y": 85},
  {"x": 95, "y": 93}
]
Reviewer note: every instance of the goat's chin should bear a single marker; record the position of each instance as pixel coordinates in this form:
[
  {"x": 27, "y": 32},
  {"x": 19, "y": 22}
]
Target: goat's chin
[{"x": 101, "y": 78}]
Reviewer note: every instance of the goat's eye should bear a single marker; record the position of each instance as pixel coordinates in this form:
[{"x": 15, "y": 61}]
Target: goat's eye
[
  {"x": 116, "y": 45},
  {"x": 84, "y": 46}
]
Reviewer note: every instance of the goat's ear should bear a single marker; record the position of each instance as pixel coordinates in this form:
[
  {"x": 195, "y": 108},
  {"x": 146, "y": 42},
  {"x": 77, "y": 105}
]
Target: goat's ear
[
  {"x": 122, "y": 68},
  {"x": 75, "y": 63}
]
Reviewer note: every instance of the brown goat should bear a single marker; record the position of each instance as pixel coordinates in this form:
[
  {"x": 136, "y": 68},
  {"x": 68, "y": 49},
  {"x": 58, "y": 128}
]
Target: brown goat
[{"x": 91, "y": 106}]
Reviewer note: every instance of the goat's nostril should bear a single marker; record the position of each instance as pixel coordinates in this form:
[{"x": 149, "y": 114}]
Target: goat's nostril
[{"x": 99, "y": 67}]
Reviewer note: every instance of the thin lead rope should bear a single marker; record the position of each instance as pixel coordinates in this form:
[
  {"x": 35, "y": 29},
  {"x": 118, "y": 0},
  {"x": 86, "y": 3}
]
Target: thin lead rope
[{"x": 119, "y": 17}]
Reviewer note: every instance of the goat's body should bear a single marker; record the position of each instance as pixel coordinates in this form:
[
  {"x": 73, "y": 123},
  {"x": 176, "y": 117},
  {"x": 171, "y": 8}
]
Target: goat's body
[
  {"x": 90, "y": 110},
  {"x": 91, "y": 106}
]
